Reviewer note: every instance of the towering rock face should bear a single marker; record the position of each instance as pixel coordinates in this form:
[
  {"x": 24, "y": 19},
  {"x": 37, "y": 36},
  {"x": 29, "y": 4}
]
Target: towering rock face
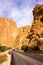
[
  {"x": 38, "y": 19},
  {"x": 8, "y": 32},
  {"x": 36, "y": 31},
  {"x": 12, "y": 36},
  {"x": 22, "y": 34}
]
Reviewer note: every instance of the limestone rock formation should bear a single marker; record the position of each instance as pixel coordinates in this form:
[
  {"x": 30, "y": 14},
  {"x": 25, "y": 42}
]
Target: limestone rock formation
[
  {"x": 22, "y": 34},
  {"x": 8, "y": 32},
  {"x": 36, "y": 31},
  {"x": 10, "y": 35}
]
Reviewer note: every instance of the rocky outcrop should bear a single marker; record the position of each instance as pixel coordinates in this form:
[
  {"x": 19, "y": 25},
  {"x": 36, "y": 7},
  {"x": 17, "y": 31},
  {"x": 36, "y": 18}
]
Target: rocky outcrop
[
  {"x": 36, "y": 31},
  {"x": 8, "y": 32},
  {"x": 10, "y": 35},
  {"x": 22, "y": 34}
]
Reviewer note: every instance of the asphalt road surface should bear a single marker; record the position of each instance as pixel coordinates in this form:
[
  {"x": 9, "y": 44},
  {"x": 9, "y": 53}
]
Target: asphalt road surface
[{"x": 22, "y": 59}]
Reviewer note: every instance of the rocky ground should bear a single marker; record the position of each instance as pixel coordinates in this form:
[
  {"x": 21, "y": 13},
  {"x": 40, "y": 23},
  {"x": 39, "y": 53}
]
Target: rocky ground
[{"x": 7, "y": 62}]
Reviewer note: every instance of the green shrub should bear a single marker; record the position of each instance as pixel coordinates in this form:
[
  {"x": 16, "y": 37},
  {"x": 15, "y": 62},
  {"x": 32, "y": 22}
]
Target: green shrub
[
  {"x": 4, "y": 48},
  {"x": 8, "y": 48},
  {"x": 24, "y": 47},
  {"x": 35, "y": 47}
]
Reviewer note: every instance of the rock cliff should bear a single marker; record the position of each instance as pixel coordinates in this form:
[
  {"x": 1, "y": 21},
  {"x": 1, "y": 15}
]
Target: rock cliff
[
  {"x": 8, "y": 32},
  {"x": 36, "y": 31}
]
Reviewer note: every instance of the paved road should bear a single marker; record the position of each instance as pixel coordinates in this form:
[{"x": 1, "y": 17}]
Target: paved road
[{"x": 22, "y": 59}]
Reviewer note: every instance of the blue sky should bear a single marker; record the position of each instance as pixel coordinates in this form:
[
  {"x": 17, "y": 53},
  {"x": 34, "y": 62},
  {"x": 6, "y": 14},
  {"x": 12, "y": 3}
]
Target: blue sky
[{"x": 18, "y": 10}]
